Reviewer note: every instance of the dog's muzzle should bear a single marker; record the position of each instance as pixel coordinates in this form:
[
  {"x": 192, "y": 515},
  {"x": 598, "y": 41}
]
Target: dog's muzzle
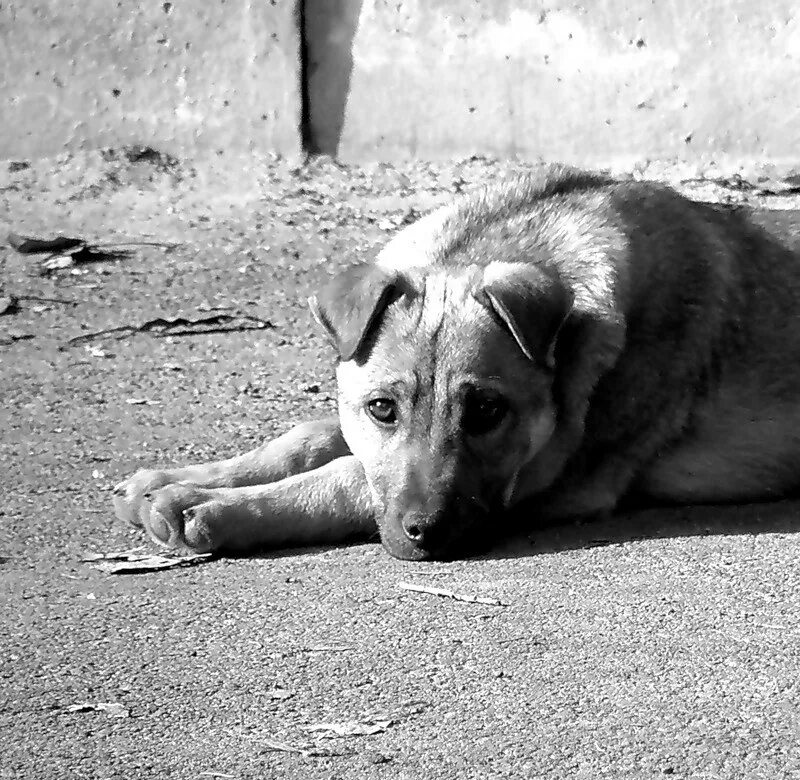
[{"x": 446, "y": 533}]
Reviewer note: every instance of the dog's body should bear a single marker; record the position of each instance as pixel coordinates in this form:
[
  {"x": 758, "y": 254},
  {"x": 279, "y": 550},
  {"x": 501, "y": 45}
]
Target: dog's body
[{"x": 539, "y": 350}]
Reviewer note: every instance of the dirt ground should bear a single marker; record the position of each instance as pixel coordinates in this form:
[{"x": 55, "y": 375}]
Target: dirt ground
[{"x": 660, "y": 643}]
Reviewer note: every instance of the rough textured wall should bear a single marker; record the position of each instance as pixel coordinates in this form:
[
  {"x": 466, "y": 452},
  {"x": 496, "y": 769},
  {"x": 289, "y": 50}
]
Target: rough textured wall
[
  {"x": 611, "y": 81},
  {"x": 606, "y": 81},
  {"x": 180, "y": 75}
]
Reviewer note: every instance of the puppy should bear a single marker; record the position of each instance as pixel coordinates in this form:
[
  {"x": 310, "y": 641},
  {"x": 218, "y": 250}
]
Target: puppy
[{"x": 535, "y": 351}]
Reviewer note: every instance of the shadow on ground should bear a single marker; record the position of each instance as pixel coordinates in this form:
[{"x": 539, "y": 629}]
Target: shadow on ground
[{"x": 779, "y": 517}]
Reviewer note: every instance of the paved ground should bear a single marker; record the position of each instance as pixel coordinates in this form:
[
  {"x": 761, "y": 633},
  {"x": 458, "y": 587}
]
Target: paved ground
[{"x": 663, "y": 643}]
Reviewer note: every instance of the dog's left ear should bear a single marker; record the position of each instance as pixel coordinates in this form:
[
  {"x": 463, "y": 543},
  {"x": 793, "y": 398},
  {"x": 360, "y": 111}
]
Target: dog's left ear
[
  {"x": 349, "y": 307},
  {"x": 531, "y": 303}
]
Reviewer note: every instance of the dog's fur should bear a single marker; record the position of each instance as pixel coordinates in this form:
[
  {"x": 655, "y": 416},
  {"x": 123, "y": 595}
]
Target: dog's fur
[{"x": 538, "y": 350}]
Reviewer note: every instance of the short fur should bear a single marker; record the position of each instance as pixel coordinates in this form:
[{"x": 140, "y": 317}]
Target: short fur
[{"x": 617, "y": 339}]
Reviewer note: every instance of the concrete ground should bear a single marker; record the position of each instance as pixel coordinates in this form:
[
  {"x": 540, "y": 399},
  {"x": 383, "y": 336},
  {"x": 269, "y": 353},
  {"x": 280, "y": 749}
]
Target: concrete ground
[{"x": 660, "y": 643}]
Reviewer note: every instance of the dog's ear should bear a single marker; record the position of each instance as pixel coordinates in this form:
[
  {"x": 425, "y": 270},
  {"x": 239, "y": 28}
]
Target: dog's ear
[
  {"x": 531, "y": 303},
  {"x": 349, "y": 307}
]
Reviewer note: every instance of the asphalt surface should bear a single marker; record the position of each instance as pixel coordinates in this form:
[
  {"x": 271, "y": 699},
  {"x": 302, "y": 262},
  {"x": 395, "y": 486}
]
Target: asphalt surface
[{"x": 662, "y": 643}]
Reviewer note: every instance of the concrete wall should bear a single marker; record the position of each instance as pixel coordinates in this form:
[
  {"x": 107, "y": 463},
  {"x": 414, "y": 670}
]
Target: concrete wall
[
  {"x": 607, "y": 81},
  {"x": 182, "y": 75}
]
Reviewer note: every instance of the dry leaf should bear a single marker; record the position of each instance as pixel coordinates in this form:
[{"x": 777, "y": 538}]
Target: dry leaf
[
  {"x": 130, "y": 562},
  {"x": 27, "y": 245}
]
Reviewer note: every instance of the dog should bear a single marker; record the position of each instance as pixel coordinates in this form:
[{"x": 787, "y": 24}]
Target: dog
[{"x": 537, "y": 351}]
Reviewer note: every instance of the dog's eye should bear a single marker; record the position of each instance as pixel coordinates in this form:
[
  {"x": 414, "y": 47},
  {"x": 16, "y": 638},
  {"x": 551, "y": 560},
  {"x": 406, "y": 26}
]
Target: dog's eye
[
  {"x": 383, "y": 410},
  {"x": 482, "y": 415}
]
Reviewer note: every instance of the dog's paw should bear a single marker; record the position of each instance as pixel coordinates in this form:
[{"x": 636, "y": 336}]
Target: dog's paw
[
  {"x": 131, "y": 496},
  {"x": 186, "y": 517}
]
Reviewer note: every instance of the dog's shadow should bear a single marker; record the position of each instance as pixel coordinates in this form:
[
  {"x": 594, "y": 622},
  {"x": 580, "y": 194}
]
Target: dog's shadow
[
  {"x": 631, "y": 525},
  {"x": 654, "y": 522}
]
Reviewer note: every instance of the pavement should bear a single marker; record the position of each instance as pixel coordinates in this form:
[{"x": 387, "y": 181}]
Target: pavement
[{"x": 660, "y": 643}]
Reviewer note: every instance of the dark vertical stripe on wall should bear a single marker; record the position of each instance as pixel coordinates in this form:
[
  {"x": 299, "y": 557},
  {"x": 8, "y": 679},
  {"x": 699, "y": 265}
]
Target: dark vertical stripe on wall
[{"x": 306, "y": 135}]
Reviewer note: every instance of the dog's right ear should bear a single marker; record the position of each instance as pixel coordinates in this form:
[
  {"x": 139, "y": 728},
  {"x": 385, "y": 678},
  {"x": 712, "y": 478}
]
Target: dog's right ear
[
  {"x": 532, "y": 304},
  {"x": 349, "y": 307}
]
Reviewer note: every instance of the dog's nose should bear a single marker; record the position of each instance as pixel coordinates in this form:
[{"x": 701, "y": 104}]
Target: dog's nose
[
  {"x": 413, "y": 530},
  {"x": 418, "y": 528}
]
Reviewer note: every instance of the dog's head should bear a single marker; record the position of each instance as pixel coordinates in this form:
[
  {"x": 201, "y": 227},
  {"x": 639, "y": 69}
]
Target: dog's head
[{"x": 445, "y": 392}]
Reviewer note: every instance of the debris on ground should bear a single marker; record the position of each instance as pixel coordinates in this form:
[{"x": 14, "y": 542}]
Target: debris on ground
[
  {"x": 9, "y": 304},
  {"x": 280, "y": 694},
  {"x": 134, "y": 562},
  {"x": 309, "y": 751},
  {"x": 67, "y": 251},
  {"x": 27, "y": 245},
  {"x": 141, "y": 154},
  {"x": 449, "y": 594},
  {"x": 10, "y": 336},
  {"x": 82, "y": 255},
  {"x": 112, "y": 709},
  {"x": 350, "y": 728},
  {"x": 41, "y": 299},
  {"x": 97, "y": 352},
  {"x": 122, "y": 555},
  {"x": 328, "y": 649},
  {"x": 179, "y": 326},
  {"x": 284, "y": 747}
]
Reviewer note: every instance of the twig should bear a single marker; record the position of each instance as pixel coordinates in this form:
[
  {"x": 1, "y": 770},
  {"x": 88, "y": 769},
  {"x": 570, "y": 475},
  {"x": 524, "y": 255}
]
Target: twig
[
  {"x": 168, "y": 245},
  {"x": 312, "y": 752},
  {"x": 284, "y": 747},
  {"x": 161, "y": 327},
  {"x": 449, "y": 594},
  {"x": 327, "y": 649},
  {"x": 46, "y": 300}
]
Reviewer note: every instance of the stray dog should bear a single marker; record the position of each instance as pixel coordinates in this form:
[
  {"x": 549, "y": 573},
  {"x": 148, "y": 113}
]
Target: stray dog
[{"x": 536, "y": 351}]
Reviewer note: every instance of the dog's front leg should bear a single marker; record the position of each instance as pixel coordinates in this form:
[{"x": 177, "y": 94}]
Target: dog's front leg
[
  {"x": 303, "y": 448},
  {"x": 326, "y": 505}
]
